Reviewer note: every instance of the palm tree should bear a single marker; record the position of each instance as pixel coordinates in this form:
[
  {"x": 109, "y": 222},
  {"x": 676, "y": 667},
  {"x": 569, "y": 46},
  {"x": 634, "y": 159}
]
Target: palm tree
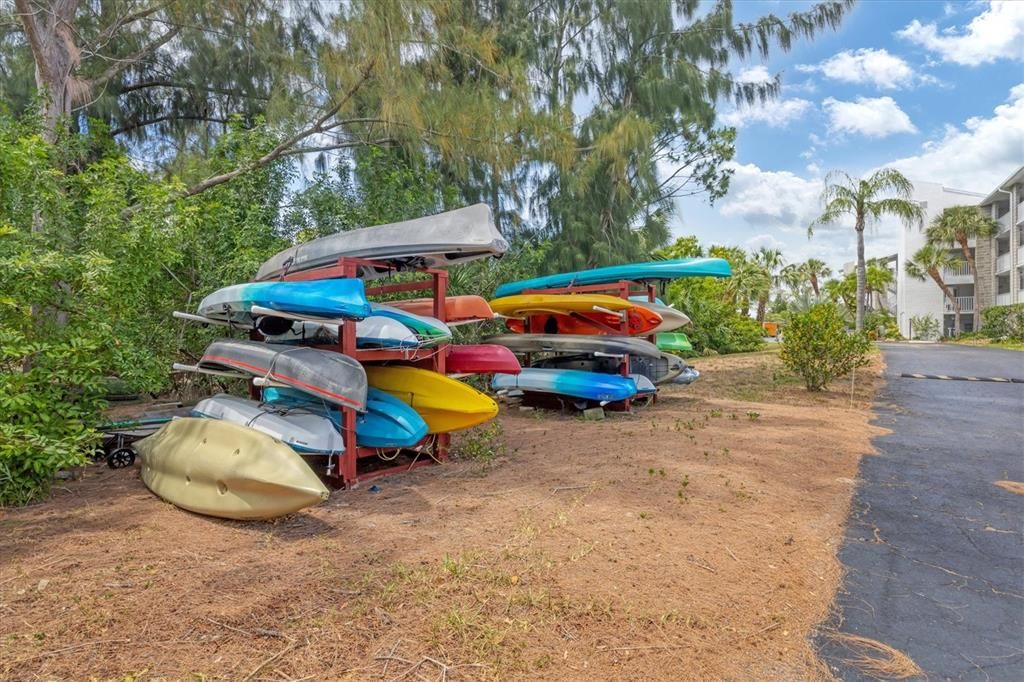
[
  {"x": 929, "y": 261},
  {"x": 956, "y": 225},
  {"x": 816, "y": 271},
  {"x": 863, "y": 201},
  {"x": 748, "y": 280},
  {"x": 842, "y": 291},
  {"x": 877, "y": 280},
  {"x": 794, "y": 275},
  {"x": 770, "y": 260}
]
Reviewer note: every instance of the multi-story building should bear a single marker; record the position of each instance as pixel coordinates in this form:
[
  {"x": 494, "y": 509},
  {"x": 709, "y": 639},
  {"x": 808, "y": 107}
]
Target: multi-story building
[
  {"x": 1000, "y": 260},
  {"x": 916, "y": 298}
]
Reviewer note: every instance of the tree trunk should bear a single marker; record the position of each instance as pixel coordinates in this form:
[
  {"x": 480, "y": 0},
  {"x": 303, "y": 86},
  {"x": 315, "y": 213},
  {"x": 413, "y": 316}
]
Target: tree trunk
[
  {"x": 861, "y": 275},
  {"x": 948, "y": 293},
  {"x": 50, "y": 33},
  {"x": 969, "y": 257},
  {"x": 762, "y": 305},
  {"x": 814, "y": 286}
]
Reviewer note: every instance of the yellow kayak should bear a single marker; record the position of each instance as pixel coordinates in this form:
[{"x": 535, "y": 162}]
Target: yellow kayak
[
  {"x": 525, "y": 305},
  {"x": 445, "y": 404},
  {"x": 217, "y": 468}
]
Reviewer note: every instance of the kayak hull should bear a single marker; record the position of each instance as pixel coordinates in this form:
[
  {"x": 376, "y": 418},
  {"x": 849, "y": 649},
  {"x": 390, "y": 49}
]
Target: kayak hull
[
  {"x": 659, "y": 370},
  {"x": 331, "y": 298},
  {"x": 435, "y": 241},
  {"x": 304, "y": 431},
  {"x": 444, "y": 404},
  {"x": 575, "y": 343},
  {"x": 603, "y": 388},
  {"x": 481, "y": 359},
  {"x": 673, "y": 341},
  {"x": 457, "y": 309},
  {"x": 225, "y": 470},
  {"x": 635, "y": 272}
]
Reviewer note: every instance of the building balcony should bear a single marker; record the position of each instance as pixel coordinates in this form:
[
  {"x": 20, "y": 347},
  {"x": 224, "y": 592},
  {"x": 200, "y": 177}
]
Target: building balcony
[
  {"x": 959, "y": 275},
  {"x": 966, "y": 304},
  {"x": 1003, "y": 263},
  {"x": 1020, "y": 213},
  {"x": 1004, "y": 299}
]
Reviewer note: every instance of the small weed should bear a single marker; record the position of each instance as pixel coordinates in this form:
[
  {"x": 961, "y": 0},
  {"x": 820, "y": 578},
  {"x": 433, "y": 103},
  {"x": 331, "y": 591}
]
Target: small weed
[
  {"x": 481, "y": 444},
  {"x": 643, "y": 515},
  {"x": 39, "y": 636},
  {"x": 734, "y": 416},
  {"x": 753, "y": 416},
  {"x": 650, "y": 472},
  {"x": 716, "y": 413},
  {"x": 455, "y": 567},
  {"x": 661, "y": 472}
]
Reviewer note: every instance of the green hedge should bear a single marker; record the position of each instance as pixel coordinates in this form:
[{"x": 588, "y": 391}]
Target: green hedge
[{"x": 1004, "y": 321}]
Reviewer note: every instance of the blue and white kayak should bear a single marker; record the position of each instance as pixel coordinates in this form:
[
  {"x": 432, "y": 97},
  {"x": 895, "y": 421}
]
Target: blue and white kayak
[
  {"x": 328, "y": 298},
  {"x": 429, "y": 330},
  {"x": 387, "y": 423},
  {"x": 644, "y": 386},
  {"x": 305, "y": 431},
  {"x": 373, "y": 332},
  {"x": 602, "y": 388},
  {"x": 633, "y": 272},
  {"x": 687, "y": 376}
]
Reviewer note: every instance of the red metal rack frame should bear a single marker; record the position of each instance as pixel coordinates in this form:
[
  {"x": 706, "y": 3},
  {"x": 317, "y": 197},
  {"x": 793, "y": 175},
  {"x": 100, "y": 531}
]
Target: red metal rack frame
[
  {"x": 622, "y": 289},
  {"x": 345, "y": 472}
]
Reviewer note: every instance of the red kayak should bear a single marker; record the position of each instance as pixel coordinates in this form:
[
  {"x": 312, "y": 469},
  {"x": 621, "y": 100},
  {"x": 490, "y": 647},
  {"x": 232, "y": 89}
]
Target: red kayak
[{"x": 482, "y": 359}]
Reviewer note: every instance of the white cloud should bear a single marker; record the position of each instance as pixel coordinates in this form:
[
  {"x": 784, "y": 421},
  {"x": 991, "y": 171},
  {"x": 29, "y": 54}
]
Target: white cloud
[
  {"x": 777, "y": 199},
  {"x": 766, "y": 240},
  {"x": 976, "y": 156},
  {"x": 877, "y": 67},
  {"x": 774, "y": 113},
  {"x": 997, "y": 33},
  {"x": 755, "y": 74},
  {"x": 873, "y": 117}
]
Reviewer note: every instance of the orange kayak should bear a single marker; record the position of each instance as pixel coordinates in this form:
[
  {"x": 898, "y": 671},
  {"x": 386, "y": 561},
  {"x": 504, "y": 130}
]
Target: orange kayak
[
  {"x": 457, "y": 309},
  {"x": 641, "y": 321}
]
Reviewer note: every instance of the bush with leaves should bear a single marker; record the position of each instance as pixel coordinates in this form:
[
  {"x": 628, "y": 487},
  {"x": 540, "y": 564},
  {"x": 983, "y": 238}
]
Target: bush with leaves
[
  {"x": 924, "y": 327},
  {"x": 882, "y": 324},
  {"x": 1004, "y": 322},
  {"x": 819, "y": 348}
]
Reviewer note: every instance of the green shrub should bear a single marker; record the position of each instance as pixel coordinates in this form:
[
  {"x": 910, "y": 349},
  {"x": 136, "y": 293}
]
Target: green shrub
[
  {"x": 924, "y": 327},
  {"x": 883, "y": 324},
  {"x": 818, "y": 347},
  {"x": 1004, "y": 322},
  {"x": 481, "y": 443}
]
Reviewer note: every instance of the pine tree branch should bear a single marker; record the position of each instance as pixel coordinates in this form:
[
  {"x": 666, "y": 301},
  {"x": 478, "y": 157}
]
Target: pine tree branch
[
  {"x": 121, "y": 64},
  {"x": 319, "y": 126},
  {"x": 135, "y": 125},
  {"x": 164, "y": 83},
  {"x": 340, "y": 145}
]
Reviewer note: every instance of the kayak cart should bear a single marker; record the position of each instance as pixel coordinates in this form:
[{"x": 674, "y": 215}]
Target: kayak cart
[{"x": 116, "y": 446}]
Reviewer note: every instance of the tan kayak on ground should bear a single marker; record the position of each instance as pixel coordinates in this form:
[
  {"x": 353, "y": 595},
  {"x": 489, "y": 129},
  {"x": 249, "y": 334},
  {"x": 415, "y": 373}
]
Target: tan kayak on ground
[{"x": 222, "y": 469}]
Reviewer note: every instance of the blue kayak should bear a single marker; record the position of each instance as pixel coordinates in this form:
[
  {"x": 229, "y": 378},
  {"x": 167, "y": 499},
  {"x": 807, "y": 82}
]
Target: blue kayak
[
  {"x": 634, "y": 272},
  {"x": 574, "y": 383},
  {"x": 330, "y": 298},
  {"x": 387, "y": 423}
]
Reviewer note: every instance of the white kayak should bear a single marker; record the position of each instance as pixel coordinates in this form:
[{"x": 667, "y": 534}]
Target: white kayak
[{"x": 304, "y": 431}]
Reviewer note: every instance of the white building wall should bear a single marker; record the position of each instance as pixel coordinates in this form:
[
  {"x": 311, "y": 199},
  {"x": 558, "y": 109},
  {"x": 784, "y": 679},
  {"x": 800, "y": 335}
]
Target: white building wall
[{"x": 914, "y": 297}]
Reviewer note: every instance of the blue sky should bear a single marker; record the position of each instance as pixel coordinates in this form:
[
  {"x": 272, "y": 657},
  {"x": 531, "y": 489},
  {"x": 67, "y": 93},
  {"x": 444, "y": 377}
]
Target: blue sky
[{"x": 935, "y": 89}]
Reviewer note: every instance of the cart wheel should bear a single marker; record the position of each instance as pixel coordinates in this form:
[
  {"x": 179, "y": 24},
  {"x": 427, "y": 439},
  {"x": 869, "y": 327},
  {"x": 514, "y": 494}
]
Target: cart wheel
[{"x": 120, "y": 458}]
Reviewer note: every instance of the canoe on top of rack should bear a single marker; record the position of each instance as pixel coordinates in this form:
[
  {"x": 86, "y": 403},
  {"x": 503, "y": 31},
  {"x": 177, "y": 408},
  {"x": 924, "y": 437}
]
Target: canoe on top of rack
[
  {"x": 330, "y": 298},
  {"x": 330, "y": 376},
  {"x": 575, "y": 343},
  {"x": 387, "y": 423},
  {"x": 602, "y": 388},
  {"x": 435, "y": 241},
  {"x": 445, "y": 404},
  {"x": 222, "y": 469},
  {"x": 634, "y": 272},
  {"x": 458, "y": 309}
]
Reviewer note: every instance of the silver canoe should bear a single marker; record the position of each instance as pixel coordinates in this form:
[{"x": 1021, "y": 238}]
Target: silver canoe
[
  {"x": 440, "y": 240},
  {"x": 575, "y": 343},
  {"x": 333, "y": 377},
  {"x": 305, "y": 432}
]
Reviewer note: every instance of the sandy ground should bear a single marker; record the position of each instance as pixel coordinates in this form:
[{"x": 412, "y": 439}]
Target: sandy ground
[{"x": 695, "y": 539}]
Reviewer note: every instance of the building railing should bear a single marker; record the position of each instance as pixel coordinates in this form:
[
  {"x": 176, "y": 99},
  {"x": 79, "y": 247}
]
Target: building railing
[
  {"x": 1003, "y": 263},
  {"x": 1004, "y": 299},
  {"x": 1020, "y": 213},
  {"x": 962, "y": 270},
  {"x": 966, "y": 304}
]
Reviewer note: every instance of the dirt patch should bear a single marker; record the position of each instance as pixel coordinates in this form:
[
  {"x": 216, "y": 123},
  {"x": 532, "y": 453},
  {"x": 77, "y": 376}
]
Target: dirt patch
[{"x": 695, "y": 539}]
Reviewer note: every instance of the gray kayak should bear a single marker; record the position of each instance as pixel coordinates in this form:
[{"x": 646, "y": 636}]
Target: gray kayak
[
  {"x": 440, "y": 240},
  {"x": 659, "y": 370},
  {"x": 333, "y": 377},
  {"x": 575, "y": 343}
]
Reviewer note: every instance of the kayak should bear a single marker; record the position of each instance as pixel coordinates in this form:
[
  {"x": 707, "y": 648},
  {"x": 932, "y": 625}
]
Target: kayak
[
  {"x": 525, "y": 305},
  {"x": 659, "y": 370},
  {"x": 330, "y": 298},
  {"x": 457, "y": 309},
  {"x": 445, "y": 404},
  {"x": 330, "y": 376},
  {"x": 639, "y": 320},
  {"x": 673, "y": 341},
  {"x": 304, "y": 431},
  {"x": 374, "y": 332},
  {"x": 575, "y": 343},
  {"x": 436, "y": 241},
  {"x": 602, "y": 388},
  {"x": 634, "y": 272},
  {"x": 481, "y": 359},
  {"x": 387, "y": 423},
  {"x": 429, "y": 330},
  {"x": 671, "y": 318},
  {"x": 222, "y": 469}
]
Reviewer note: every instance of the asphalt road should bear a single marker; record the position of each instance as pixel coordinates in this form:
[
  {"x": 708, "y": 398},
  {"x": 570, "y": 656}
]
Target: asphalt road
[{"x": 934, "y": 551}]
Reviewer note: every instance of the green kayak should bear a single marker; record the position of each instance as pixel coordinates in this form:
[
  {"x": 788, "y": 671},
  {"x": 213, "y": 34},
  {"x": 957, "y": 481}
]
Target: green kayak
[{"x": 673, "y": 341}]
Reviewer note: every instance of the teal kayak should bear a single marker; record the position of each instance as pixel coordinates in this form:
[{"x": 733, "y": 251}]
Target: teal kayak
[{"x": 635, "y": 272}]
